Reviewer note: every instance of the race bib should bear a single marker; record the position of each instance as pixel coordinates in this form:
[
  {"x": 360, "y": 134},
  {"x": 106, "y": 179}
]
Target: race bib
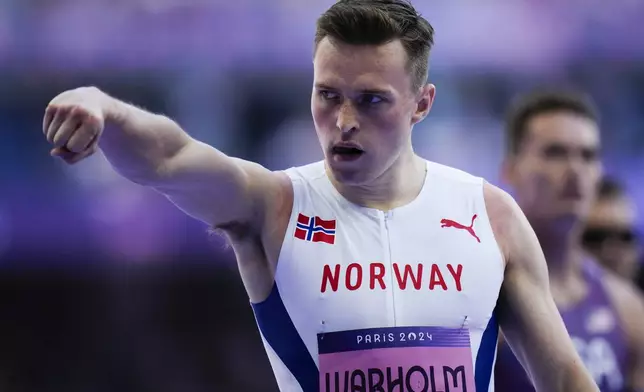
[{"x": 397, "y": 359}]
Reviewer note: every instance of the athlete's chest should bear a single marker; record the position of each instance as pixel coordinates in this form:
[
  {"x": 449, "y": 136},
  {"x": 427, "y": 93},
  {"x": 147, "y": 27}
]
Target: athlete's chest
[{"x": 358, "y": 270}]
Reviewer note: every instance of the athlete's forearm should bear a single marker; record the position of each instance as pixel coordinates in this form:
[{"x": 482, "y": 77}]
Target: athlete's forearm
[
  {"x": 138, "y": 143},
  {"x": 574, "y": 379}
]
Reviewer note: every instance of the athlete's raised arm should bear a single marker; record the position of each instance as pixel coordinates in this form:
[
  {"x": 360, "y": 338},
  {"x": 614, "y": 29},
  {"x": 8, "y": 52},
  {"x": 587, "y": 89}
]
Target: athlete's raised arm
[
  {"x": 526, "y": 311},
  {"x": 153, "y": 150}
]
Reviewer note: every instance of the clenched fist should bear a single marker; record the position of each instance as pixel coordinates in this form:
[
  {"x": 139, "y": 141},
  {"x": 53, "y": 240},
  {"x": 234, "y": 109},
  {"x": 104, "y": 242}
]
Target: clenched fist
[{"x": 74, "y": 122}]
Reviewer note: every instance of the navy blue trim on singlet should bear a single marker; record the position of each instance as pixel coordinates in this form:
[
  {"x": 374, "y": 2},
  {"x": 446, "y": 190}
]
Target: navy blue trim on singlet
[
  {"x": 485, "y": 355},
  {"x": 276, "y": 326}
]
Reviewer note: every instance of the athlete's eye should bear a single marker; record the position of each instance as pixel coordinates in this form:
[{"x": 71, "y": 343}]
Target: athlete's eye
[
  {"x": 555, "y": 151},
  {"x": 590, "y": 154},
  {"x": 370, "y": 99},
  {"x": 328, "y": 95}
]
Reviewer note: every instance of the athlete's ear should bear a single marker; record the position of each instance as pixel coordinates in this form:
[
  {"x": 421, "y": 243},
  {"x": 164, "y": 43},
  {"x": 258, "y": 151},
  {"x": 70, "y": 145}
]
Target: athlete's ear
[{"x": 424, "y": 102}]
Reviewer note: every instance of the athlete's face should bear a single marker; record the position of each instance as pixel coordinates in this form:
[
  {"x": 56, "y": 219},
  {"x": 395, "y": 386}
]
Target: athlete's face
[
  {"x": 610, "y": 235},
  {"x": 364, "y": 108},
  {"x": 556, "y": 172}
]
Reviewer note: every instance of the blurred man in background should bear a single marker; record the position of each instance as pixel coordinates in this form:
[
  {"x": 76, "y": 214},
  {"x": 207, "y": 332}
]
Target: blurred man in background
[
  {"x": 639, "y": 279},
  {"x": 554, "y": 167},
  {"x": 610, "y": 232}
]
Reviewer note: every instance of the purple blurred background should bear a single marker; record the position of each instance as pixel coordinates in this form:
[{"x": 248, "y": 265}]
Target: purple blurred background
[{"x": 106, "y": 286}]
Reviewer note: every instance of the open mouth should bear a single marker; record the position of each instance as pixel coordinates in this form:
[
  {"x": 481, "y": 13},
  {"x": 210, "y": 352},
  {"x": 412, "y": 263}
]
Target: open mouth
[{"x": 346, "y": 153}]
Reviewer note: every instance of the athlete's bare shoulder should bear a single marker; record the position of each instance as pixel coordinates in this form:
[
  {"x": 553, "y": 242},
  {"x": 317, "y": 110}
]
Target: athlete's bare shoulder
[
  {"x": 269, "y": 189},
  {"x": 504, "y": 215},
  {"x": 276, "y": 217},
  {"x": 257, "y": 245}
]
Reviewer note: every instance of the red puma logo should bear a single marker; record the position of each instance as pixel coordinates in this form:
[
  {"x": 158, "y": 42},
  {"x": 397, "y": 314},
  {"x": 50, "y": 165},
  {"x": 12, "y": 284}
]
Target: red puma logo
[{"x": 456, "y": 225}]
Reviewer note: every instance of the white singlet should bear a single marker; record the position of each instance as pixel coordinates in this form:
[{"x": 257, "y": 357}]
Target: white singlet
[{"x": 366, "y": 300}]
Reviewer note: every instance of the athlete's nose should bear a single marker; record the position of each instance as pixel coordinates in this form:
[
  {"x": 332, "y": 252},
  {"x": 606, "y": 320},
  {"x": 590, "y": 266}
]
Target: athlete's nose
[{"x": 347, "y": 121}]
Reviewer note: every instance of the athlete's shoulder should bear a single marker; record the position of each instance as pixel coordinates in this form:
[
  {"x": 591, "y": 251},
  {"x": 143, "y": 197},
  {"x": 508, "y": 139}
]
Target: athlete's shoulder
[
  {"x": 511, "y": 228},
  {"x": 500, "y": 203},
  {"x": 309, "y": 172}
]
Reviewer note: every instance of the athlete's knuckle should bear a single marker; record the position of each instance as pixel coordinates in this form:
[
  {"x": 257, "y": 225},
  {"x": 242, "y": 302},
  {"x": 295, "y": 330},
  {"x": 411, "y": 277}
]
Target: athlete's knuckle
[
  {"x": 59, "y": 138},
  {"x": 78, "y": 112}
]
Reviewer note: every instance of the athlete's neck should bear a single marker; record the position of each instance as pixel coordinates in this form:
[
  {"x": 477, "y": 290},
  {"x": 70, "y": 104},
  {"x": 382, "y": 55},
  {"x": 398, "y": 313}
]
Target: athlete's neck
[
  {"x": 564, "y": 257},
  {"x": 397, "y": 186},
  {"x": 560, "y": 242}
]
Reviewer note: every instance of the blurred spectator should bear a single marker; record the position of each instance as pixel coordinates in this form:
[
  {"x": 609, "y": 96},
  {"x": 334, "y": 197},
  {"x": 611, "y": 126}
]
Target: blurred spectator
[
  {"x": 639, "y": 280},
  {"x": 610, "y": 233}
]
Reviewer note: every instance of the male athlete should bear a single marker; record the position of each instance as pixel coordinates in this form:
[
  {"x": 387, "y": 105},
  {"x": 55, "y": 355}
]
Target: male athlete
[
  {"x": 610, "y": 233},
  {"x": 554, "y": 167},
  {"x": 373, "y": 269}
]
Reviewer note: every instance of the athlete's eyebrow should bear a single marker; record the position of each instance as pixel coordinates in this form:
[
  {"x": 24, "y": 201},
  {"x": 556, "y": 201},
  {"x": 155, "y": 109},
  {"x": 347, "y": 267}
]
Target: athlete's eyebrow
[
  {"x": 373, "y": 91},
  {"x": 322, "y": 86}
]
